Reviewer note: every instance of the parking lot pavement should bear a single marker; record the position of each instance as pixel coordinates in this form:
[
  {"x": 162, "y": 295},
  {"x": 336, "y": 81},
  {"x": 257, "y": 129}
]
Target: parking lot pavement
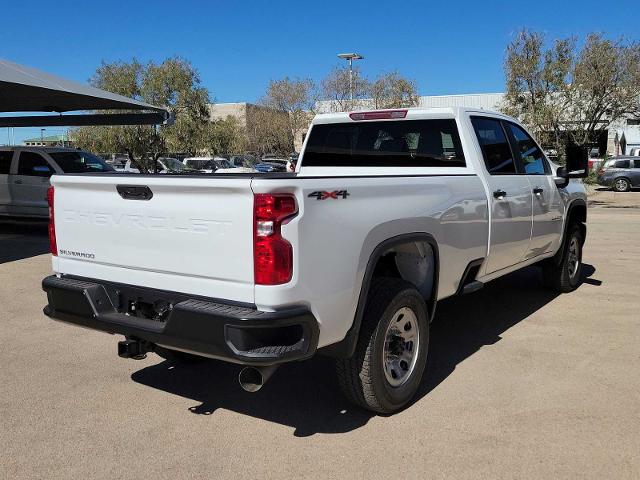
[{"x": 522, "y": 384}]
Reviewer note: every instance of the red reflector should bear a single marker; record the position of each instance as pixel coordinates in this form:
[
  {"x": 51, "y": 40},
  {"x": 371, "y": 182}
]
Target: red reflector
[
  {"x": 53, "y": 247},
  {"x": 378, "y": 115},
  {"x": 272, "y": 254}
]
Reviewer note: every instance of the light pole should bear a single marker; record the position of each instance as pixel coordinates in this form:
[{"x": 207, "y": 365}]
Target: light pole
[
  {"x": 351, "y": 57},
  {"x": 42, "y": 136}
]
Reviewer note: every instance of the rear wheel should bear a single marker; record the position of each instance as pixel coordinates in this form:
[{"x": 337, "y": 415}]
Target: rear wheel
[
  {"x": 565, "y": 276},
  {"x": 385, "y": 371},
  {"x": 621, "y": 185}
]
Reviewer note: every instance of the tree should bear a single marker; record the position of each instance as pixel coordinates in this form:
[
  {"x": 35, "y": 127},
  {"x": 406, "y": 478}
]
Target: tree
[
  {"x": 296, "y": 98},
  {"x": 391, "y": 90},
  {"x": 173, "y": 84},
  {"x": 535, "y": 81},
  {"x": 605, "y": 86},
  {"x": 268, "y": 130},
  {"x": 568, "y": 94},
  {"x": 336, "y": 89},
  {"x": 224, "y": 136}
]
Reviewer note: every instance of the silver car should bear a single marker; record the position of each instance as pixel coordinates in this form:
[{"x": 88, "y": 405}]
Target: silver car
[{"x": 25, "y": 173}]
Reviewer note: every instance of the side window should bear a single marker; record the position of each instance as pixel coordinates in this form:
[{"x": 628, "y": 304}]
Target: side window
[
  {"x": 5, "y": 162},
  {"x": 532, "y": 157},
  {"x": 636, "y": 164},
  {"x": 33, "y": 164},
  {"x": 495, "y": 147},
  {"x": 622, "y": 164}
]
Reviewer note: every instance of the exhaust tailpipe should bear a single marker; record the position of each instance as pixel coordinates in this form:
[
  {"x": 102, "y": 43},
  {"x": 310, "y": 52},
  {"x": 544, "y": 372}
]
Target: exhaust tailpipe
[{"x": 253, "y": 378}]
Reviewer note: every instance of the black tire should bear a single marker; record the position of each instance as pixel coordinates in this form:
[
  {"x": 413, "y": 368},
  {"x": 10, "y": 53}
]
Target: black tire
[
  {"x": 621, "y": 184},
  {"x": 561, "y": 276},
  {"x": 177, "y": 357},
  {"x": 362, "y": 377}
]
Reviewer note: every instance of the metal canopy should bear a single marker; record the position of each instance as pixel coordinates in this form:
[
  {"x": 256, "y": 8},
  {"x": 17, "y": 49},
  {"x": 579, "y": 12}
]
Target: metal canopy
[{"x": 25, "y": 89}]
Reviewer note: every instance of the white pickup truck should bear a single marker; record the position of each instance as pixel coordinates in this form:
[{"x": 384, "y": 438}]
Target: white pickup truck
[{"x": 387, "y": 213}]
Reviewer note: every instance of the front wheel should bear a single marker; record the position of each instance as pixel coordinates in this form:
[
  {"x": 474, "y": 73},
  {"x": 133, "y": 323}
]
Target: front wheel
[
  {"x": 565, "y": 276},
  {"x": 385, "y": 371}
]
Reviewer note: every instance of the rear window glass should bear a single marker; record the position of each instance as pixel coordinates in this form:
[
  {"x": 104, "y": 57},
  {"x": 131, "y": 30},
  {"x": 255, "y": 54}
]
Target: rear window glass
[
  {"x": 409, "y": 143},
  {"x": 5, "y": 162},
  {"x": 80, "y": 162}
]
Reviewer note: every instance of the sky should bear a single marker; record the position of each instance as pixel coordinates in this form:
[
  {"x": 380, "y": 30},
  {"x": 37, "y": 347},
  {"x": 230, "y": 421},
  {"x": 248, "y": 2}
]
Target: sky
[{"x": 447, "y": 47}]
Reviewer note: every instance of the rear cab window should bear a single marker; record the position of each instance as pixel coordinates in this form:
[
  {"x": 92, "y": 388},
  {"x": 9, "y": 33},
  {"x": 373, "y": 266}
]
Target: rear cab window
[{"x": 395, "y": 143}]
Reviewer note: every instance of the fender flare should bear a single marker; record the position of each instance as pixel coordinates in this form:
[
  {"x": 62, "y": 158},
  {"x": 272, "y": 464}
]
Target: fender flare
[
  {"x": 346, "y": 347},
  {"x": 557, "y": 258}
]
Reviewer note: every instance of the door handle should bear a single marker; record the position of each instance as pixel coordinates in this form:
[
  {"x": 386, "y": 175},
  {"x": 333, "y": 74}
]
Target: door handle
[
  {"x": 499, "y": 194},
  {"x": 538, "y": 190},
  {"x": 19, "y": 182}
]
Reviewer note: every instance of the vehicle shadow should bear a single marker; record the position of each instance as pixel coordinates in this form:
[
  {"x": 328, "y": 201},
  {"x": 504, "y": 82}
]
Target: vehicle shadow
[
  {"x": 305, "y": 395},
  {"x": 20, "y": 240}
]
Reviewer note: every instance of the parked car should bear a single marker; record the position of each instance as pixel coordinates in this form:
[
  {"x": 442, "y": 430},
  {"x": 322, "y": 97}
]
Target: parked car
[
  {"x": 620, "y": 173},
  {"x": 165, "y": 165},
  {"x": 347, "y": 258},
  {"x": 25, "y": 173},
  {"x": 209, "y": 164},
  {"x": 273, "y": 163},
  {"x": 243, "y": 161}
]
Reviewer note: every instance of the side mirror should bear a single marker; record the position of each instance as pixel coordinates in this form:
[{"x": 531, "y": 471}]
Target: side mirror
[
  {"x": 577, "y": 161},
  {"x": 562, "y": 177}
]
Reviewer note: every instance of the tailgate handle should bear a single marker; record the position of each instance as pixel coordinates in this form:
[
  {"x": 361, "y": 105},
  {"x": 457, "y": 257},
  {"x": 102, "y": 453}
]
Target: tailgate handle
[{"x": 134, "y": 192}]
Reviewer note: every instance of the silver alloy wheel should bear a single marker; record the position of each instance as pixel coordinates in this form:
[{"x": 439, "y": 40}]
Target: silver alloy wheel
[
  {"x": 401, "y": 346},
  {"x": 573, "y": 260},
  {"x": 621, "y": 185}
]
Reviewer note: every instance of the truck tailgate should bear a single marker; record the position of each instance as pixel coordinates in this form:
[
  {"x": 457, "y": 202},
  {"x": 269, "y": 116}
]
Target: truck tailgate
[{"x": 194, "y": 235}]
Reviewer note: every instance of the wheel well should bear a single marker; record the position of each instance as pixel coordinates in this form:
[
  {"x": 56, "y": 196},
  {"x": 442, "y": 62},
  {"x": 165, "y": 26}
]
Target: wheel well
[
  {"x": 414, "y": 257},
  {"x": 411, "y": 261},
  {"x": 578, "y": 214}
]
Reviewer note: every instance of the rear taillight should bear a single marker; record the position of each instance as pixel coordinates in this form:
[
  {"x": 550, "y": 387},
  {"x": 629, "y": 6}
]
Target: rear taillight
[
  {"x": 272, "y": 254},
  {"x": 52, "y": 224}
]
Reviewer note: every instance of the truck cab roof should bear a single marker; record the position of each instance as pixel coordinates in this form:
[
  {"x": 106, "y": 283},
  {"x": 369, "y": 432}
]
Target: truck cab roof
[{"x": 411, "y": 113}]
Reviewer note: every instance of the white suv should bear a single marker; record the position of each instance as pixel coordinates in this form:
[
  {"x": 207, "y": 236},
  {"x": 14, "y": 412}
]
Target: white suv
[{"x": 25, "y": 172}]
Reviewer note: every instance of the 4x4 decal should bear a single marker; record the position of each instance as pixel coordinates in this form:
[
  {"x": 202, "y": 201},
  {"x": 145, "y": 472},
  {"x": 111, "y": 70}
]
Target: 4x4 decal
[{"x": 336, "y": 194}]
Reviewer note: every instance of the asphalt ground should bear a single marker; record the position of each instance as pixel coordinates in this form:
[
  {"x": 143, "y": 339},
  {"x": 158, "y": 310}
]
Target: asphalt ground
[{"x": 521, "y": 383}]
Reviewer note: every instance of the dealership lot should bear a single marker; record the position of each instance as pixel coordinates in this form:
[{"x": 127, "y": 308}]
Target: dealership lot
[{"x": 522, "y": 383}]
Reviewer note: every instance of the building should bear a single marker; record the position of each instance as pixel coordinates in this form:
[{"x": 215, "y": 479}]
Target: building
[
  {"x": 48, "y": 141},
  {"x": 250, "y": 117},
  {"x": 619, "y": 138},
  {"x": 628, "y": 138}
]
